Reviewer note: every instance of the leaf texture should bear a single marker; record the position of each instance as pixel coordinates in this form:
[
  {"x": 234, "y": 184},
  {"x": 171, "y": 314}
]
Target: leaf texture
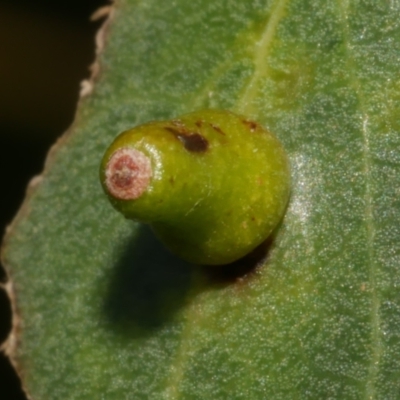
[{"x": 105, "y": 312}]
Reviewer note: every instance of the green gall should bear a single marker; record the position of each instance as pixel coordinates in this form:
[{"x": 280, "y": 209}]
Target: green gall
[{"x": 213, "y": 185}]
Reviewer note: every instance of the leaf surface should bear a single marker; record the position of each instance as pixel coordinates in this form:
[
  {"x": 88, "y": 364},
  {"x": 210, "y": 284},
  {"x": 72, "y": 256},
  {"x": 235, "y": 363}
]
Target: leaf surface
[{"x": 105, "y": 312}]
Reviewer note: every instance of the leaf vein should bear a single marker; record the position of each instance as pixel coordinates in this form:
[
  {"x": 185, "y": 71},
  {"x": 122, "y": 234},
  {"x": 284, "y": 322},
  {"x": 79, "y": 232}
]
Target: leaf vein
[
  {"x": 262, "y": 49},
  {"x": 370, "y": 390}
]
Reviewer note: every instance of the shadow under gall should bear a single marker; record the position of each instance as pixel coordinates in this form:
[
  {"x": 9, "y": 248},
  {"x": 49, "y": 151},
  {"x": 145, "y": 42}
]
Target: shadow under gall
[
  {"x": 149, "y": 284},
  {"x": 239, "y": 270}
]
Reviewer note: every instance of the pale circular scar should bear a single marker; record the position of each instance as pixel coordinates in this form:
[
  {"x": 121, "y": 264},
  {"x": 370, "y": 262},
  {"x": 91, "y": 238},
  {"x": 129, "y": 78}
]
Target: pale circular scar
[{"x": 128, "y": 173}]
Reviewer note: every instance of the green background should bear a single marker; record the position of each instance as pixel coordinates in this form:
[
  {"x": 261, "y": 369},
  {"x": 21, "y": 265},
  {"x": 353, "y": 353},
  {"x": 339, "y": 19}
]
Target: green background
[{"x": 320, "y": 317}]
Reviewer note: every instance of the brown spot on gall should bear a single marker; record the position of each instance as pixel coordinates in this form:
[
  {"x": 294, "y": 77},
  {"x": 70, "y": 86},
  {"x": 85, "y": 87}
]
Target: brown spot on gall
[
  {"x": 128, "y": 173},
  {"x": 192, "y": 141},
  {"x": 173, "y": 130},
  {"x": 218, "y": 129},
  {"x": 251, "y": 124}
]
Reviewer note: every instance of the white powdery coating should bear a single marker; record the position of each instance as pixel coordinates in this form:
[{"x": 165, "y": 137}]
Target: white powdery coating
[{"x": 128, "y": 173}]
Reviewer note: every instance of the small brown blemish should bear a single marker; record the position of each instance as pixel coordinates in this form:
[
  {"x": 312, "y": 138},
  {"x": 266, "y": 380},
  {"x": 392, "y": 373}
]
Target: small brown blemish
[
  {"x": 175, "y": 131},
  {"x": 218, "y": 129},
  {"x": 251, "y": 124},
  {"x": 199, "y": 123},
  {"x": 192, "y": 141}
]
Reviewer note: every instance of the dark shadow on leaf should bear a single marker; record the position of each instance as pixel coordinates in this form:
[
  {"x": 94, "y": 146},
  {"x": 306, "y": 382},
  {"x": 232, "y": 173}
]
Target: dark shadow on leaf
[
  {"x": 241, "y": 270},
  {"x": 149, "y": 285}
]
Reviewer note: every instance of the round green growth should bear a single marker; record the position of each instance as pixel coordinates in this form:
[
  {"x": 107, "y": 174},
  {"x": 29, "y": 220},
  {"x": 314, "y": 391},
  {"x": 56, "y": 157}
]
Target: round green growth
[{"x": 213, "y": 185}]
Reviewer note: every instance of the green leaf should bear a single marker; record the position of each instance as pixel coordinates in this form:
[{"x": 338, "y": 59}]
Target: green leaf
[{"x": 106, "y": 312}]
